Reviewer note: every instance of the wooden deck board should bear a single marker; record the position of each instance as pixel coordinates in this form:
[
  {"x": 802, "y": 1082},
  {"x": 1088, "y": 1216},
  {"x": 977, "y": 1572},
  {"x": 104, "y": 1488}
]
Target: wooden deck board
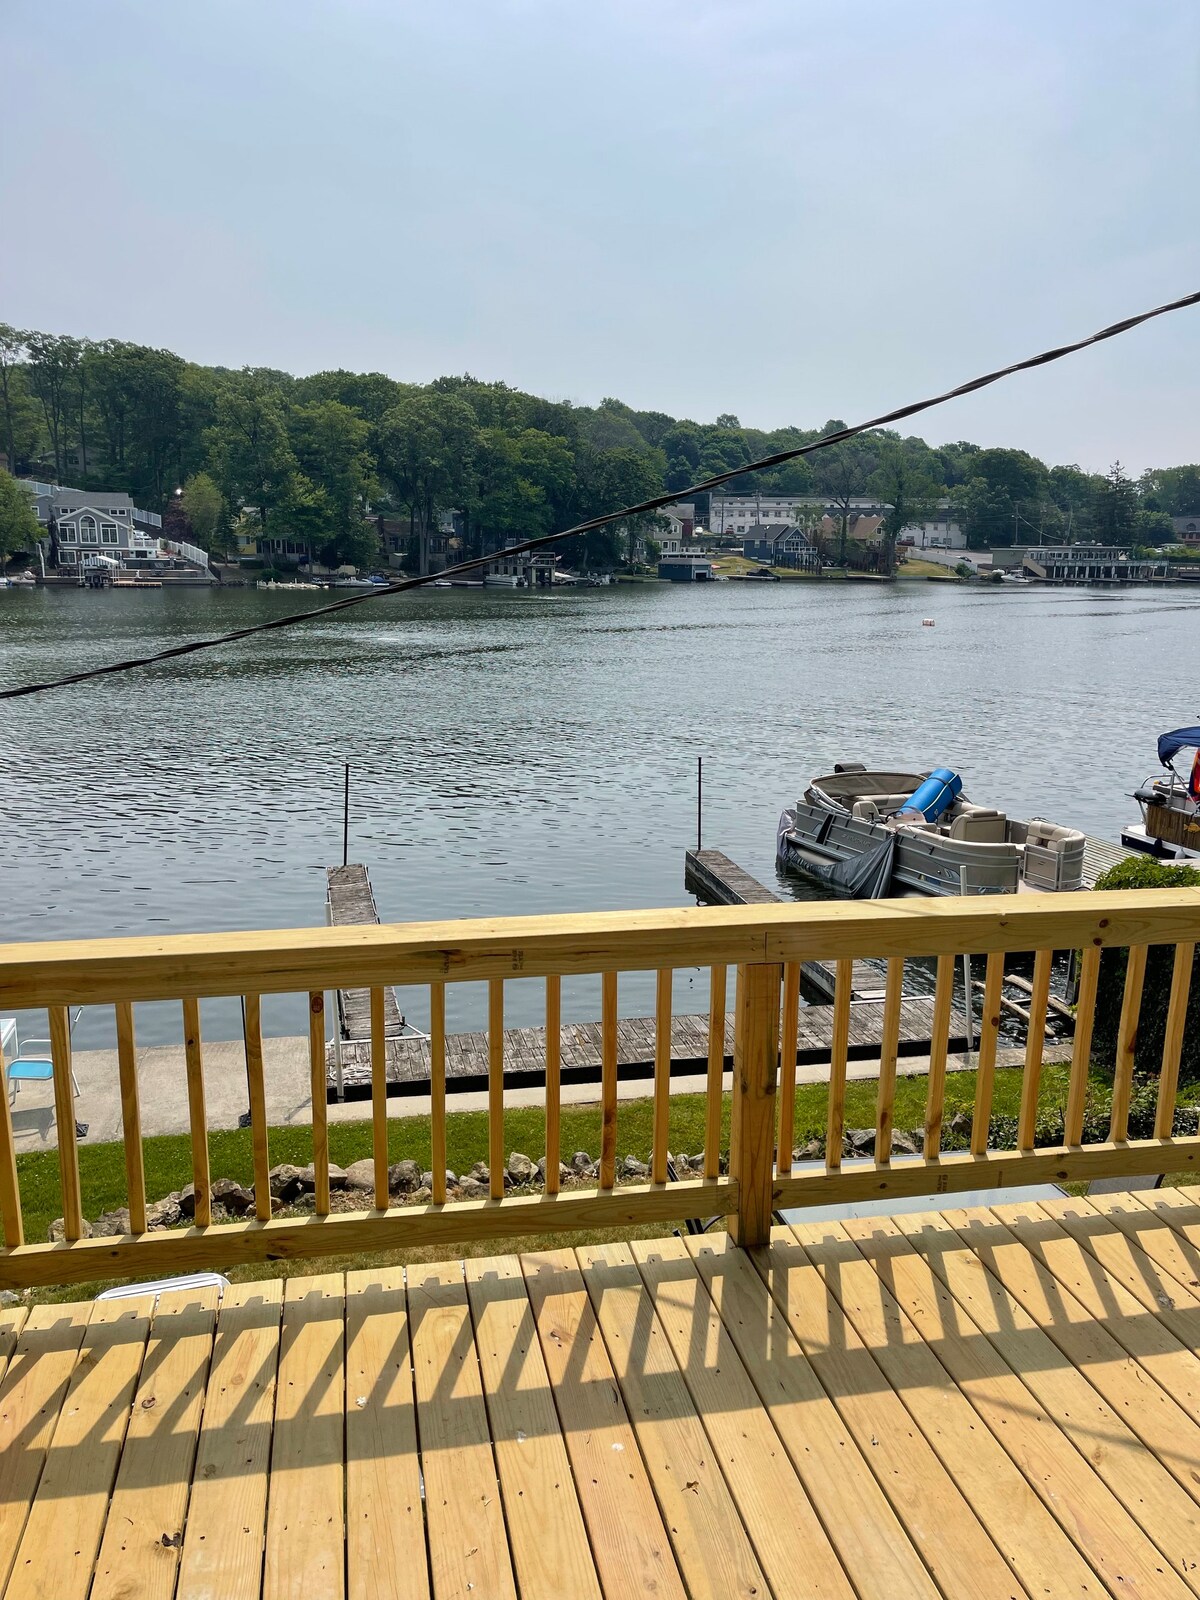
[{"x": 1000, "y": 1403}]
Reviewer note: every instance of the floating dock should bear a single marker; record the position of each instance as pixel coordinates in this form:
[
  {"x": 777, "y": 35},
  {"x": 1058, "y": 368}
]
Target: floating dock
[
  {"x": 350, "y": 902},
  {"x": 408, "y": 1059}
]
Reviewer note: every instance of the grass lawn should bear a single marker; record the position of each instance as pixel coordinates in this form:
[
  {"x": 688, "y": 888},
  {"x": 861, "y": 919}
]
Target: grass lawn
[{"x": 914, "y": 567}]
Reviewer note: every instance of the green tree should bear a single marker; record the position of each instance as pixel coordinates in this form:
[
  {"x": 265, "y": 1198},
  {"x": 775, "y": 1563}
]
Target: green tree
[
  {"x": 248, "y": 444},
  {"x": 19, "y": 528},
  {"x": 12, "y": 350},
  {"x": 53, "y": 375},
  {"x": 203, "y": 504},
  {"x": 1175, "y": 490},
  {"x": 330, "y": 443},
  {"x": 903, "y": 483},
  {"x": 523, "y": 486},
  {"x": 842, "y": 473},
  {"x": 426, "y": 451},
  {"x": 1115, "y": 507}
]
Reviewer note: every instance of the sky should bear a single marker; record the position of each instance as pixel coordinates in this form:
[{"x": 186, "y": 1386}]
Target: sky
[{"x": 784, "y": 210}]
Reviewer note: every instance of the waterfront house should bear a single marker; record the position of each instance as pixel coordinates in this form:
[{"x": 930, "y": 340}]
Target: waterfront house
[
  {"x": 1093, "y": 564},
  {"x": 1187, "y": 529},
  {"x": 532, "y": 569},
  {"x": 686, "y": 566},
  {"x": 781, "y": 544}
]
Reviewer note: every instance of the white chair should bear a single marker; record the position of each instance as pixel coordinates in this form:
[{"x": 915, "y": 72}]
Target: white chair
[{"x": 32, "y": 1064}]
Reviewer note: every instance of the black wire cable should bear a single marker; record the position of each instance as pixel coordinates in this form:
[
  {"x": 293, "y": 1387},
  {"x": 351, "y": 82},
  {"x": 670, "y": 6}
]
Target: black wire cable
[{"x": 593, "y": 523}]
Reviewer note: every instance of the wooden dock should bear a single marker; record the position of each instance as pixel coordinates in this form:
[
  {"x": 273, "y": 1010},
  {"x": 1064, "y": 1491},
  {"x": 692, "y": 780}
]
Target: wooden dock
[
  {"x": 1100, "y": 857},
  {"x": 350, "y": 902},
  {"x": 712, "y": 877},
  {"x": 408, "y": 1059}
]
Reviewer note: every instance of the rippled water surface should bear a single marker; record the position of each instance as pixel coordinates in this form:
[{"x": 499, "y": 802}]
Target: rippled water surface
[{"x": 517, "y": 752}]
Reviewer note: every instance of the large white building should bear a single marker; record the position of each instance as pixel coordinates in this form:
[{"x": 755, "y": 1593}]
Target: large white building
[{"x": 733, "y": 515}]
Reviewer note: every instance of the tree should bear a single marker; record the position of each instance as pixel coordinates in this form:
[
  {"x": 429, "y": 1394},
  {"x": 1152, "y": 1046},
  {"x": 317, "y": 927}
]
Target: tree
[
  {"x": 203, "y": 505},
  {"x": 1175, "y": 490},
  {"x": 19, "y": 527},
  {"x": 426, "y": 450},
  {"x": 330, "y": 444},
  {"x": 523, "y": 486},
  {"x": 54, "y": 379},
  {"x": 901, "y": 481},
  {"x": 12, "y": 348},
  {"x": 252, "y": 458},
  {"x": 1153, "y": 528},
  {"x": 1114, "y": 507},
  {"x": 842, "y": 472}
]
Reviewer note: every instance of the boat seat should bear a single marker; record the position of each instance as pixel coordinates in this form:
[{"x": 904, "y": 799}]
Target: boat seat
[
  {"x": 1050, "y": 836},
  {"x": 980, "y": 826},
  {"x": 884, "y": 803},
  {"x": 865, "y": 811}
]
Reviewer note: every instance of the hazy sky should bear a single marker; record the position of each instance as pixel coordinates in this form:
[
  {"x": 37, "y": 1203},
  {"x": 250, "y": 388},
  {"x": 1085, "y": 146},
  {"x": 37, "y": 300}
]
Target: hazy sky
[{"x": 785, "y": 210}]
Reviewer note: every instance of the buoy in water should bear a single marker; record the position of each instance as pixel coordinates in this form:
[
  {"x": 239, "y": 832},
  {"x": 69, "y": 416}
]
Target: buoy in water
[{"x": 927, "y": 622}]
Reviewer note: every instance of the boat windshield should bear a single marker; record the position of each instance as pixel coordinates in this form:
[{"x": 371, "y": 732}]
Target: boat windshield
[{"x": 846, "y": 787}]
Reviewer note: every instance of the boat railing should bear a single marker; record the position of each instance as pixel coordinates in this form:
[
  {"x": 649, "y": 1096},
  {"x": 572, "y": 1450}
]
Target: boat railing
[{"x": 747, "y": 1173}]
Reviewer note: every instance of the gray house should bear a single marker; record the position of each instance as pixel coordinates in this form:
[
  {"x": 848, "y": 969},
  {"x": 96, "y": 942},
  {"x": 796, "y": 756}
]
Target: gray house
[{"x": 781, "y": 544}]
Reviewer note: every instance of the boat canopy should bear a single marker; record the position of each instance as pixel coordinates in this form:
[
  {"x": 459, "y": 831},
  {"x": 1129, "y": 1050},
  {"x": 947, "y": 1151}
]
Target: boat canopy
[{"x": 1169, "y": 744}]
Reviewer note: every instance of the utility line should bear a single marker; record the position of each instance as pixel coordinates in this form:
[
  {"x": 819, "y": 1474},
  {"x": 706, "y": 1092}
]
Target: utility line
[{"x": 641, "y": 509}]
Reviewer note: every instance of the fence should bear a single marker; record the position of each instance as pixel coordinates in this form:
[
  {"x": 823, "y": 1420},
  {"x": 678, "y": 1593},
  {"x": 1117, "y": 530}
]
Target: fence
[{"x": 766, "y": 944}]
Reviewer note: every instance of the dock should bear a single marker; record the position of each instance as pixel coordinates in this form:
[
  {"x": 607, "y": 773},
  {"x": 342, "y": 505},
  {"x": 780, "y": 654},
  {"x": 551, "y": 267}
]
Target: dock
[
  {"x": 467, "y": 1059},
  {"x": 350, "y": 903},
  {"x": 714, "y": 878},
  {"x": 1100, "y": 857}
]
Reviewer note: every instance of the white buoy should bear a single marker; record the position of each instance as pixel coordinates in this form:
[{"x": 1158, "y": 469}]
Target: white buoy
[{"x": 927, "y": 622}]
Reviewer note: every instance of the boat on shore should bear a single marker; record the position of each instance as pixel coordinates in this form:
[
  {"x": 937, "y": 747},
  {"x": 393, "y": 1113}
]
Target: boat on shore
[
  {"x": 868, "y": 833},
  {"x": 1170, "y": 806}
]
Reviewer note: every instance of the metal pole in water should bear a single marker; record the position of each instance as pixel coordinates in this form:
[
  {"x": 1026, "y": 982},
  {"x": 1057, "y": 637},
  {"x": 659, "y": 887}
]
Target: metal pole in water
[
  {"x": 346, "y": 818},
  {"x": 699, "y": 800}
]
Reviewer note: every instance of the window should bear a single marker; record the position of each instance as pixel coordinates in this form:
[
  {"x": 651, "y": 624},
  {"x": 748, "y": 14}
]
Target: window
[
  {"x": 108, "y": 533},
  {"x": 66, "y": 536},
  {"x": 67, "y": 557},
  {"x": 87, "y": 531}
]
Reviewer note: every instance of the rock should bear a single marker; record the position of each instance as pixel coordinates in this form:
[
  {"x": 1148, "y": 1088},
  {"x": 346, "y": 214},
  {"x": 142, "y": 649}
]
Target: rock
[
  {"x": 520, "y": 1168},
  {"x": 109, "y": 1224},
  {"x": 907, "y": 1144},
  {"x": 631, "y": 1167},
  {"x": 814, "y": 1150},
  {"x": 288, "y": 1183},
  {"x": 582, "y": 1162},
  {"x": 421, "y": 1196},
  {"x": 859, "y": 1141},
  {"x": 480, "y": 1172},
  {"x": 10, "y": 1298},
  {"x": 565, "y": 1173},
  {"x": 404, "y": 1177},
  {"x": 960, "y": 1124},
  {"x": 427, "y": 1181},
  {"x": 337, "y": 1176},
  {"x": 165, "y": 1213},
  {"x": 360, "y": 1176},
  {"x": 472, "y": 1189},
  {"x": 186, "y": 1198},
  {"x": 57, "y": 1231},
  {"x": 236, "y": 1199}
]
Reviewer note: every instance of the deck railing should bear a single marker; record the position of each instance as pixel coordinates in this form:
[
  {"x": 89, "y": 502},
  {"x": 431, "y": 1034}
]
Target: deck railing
[{"x": 766, "y": 945}]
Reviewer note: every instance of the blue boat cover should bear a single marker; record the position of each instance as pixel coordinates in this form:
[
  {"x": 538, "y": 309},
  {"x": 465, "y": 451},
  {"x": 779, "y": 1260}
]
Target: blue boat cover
[{"x": 1170, "y": 744}]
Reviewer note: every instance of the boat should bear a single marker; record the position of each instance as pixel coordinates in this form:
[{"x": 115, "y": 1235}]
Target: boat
[
  {"x": 503, "y": 580},
  {"x": 868, "y": 833},
  {"x": 20, "y": 580},
  {"x": 353, "y": 583},
  {"x": 1170, "y": 806}
]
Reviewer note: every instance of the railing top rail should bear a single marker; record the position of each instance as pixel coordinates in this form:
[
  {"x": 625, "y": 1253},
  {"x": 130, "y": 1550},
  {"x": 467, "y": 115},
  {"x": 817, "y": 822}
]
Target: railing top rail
[{"x": 95, "y": 971}]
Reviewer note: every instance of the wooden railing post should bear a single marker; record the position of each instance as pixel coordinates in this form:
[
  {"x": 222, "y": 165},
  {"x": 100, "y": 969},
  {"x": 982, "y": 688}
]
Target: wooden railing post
[{"x": 752, "y": 1122}]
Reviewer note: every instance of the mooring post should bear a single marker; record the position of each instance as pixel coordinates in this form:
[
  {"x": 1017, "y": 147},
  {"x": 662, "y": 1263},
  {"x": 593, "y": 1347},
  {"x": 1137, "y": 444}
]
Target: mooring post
[{"x": 346, "y": 818}]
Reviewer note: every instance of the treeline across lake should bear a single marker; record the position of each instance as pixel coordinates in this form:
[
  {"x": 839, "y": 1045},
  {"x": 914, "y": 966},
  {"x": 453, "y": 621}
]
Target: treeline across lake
[{"x": 306, "y": 458}]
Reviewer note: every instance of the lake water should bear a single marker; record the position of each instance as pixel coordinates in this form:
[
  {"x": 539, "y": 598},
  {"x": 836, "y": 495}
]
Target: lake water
[{"x": 524, "y": 752}]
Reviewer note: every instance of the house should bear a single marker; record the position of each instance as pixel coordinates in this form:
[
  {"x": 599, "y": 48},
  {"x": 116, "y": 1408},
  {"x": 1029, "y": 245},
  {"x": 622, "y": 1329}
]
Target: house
[
  {"x": 687, "y": 566},
  {"x": 735, "y": 514},
  {"x": 942, "y": 531},
  {"x": 1187, "y": 529},
  {"x": 531, "y": 569},
  {"x": 781, "y": 544},
  {"x": 682, "y": 516},
  {"x": 1088, "y": 564}
]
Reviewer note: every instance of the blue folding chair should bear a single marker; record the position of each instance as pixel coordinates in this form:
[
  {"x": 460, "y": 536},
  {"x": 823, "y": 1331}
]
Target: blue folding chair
[{"x": 29, "y": 1065}]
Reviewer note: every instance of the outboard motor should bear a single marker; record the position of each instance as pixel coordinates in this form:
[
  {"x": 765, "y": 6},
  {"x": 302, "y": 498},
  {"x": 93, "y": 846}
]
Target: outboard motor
[{"x": 937, "y": 794}]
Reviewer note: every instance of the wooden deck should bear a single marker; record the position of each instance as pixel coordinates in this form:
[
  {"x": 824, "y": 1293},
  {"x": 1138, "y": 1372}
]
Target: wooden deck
[
  {"x": 351, "y": 904},
  {"x": 582, "y": 1044},
  {"x": 983, "y": 1404}
]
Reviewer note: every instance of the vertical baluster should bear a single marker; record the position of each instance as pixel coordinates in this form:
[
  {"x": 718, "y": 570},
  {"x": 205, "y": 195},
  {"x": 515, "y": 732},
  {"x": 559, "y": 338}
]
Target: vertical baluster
[
  {"x": 1181, "y": 979},
  {"x": 835, "y": 1121},
  {"x": 379, "y": 1117},
  {"x": 1131, "y": 1006},
  {"x": 197, "y": 1116},
  {"x": 608, "y": 1080},
  {"x": 496, "y": 1086},
  {"x": 437, "y": 1089},
  {"x": 64, "y": 1116},
  {"x": 553, "y": 1081},
  {"x": 939, "y": 1044},
  {"x": 10, "y": 1189},
  {"x": 885, "y": 1100},
  {"x": 1081, "y": 1053},
  {"x": 258, "y": 1106},
  {"x": 1035, "y": 1040},
  {"x": 989, "y": 1038},
  {"x": 788, "y": 1033},
  {"x": 752, "y": 1118},
  {"x": 662, "y": 1076},
  {"x": 319, "y": 1084},
  {"x": 131, "y": 1118},
  {"x": 716, "y": 1071}
]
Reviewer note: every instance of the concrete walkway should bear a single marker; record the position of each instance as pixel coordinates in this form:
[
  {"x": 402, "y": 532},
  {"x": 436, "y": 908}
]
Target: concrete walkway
[{"x": 162, "y": 1081}]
